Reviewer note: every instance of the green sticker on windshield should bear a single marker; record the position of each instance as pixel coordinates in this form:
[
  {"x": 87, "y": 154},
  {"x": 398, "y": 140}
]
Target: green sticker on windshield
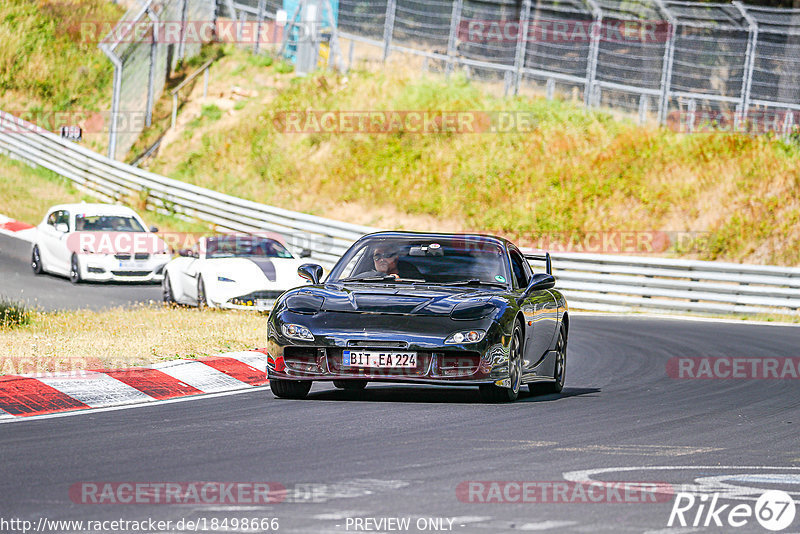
[{"x": 500, "y": 279}]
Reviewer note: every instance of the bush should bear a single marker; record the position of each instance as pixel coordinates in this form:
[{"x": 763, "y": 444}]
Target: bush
[{"x": 13, "y": 314}]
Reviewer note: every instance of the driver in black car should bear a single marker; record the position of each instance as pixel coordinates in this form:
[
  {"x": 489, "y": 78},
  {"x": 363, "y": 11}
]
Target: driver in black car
[{"x": 387, "y": 261}]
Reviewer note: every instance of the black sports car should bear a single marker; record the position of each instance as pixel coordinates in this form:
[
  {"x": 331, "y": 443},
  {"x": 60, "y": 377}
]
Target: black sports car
[{"x": 429, "y": 308}]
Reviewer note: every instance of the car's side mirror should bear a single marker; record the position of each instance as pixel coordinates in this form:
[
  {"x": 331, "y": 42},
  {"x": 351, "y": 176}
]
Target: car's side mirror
[
  {"x": 62, "y": 227},
  {"x": 154, "y": 229},
  {"x": 310, "y": 271},
  {"x": 541, "y": 281},
  {"x": 305, "y": 253}
]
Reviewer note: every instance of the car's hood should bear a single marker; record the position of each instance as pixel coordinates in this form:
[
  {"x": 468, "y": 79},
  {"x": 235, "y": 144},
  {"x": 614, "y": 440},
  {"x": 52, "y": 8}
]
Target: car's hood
[
  {"x": 280, "y": 270},
  {"x": 399, "y": 299}
]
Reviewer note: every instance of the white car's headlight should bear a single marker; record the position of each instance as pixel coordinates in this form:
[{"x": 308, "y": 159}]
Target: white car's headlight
[
  {"x": 468, "y": 336},
  {"x": 225, "y": 279},
  {"x": 296, "y": 331}
]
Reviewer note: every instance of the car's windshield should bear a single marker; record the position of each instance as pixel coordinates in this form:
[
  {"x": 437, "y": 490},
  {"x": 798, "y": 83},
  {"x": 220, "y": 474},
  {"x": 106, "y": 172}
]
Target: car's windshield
[
  {"x": 472, "y": 260},
  {"x": 107, "y": 223},
  {"x": 244, "y": 246}
]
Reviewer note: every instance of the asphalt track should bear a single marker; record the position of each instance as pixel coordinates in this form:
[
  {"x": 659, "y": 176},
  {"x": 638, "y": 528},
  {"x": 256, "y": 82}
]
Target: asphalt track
[
  {"x": 49, "y": 292},
  {"x": 402, "y": 451}
]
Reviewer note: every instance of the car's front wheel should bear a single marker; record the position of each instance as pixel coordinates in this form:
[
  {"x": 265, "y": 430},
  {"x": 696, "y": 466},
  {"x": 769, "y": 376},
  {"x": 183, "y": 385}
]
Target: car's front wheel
[
  {"x": 290, "y": 389},
  {"x": 494, "y": 393},
  {"x": 36, "y": 261},
  {"x": 202, "y": 298},
  {"x": 560, "y": 369},
  {"x": 166, "y": 290},
  {"x": 74, "y": 270},
  {"x": 351, "y": 385}
]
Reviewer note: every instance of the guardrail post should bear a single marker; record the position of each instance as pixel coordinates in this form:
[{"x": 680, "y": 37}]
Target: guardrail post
[
  {"x": 550, "y": 88},
  {"x": 182, "y": 43},
  {"x": 388, "y": 28},
  {"x": 750, "y": 60},
  {"x": 205, "y": 82},
  {"x": 594, "y": 52},
  {"x": 174, "y": 109},
  {"x": 259, "y": 18},
  {"x": 692, "y": 109},
  {"x": 151, "y": 78},
  {"x": 522, "y": 44},
  {"x": 642, "y": 109},
  {"x": 666, "y": 67},
  {"x": 788, "y": 123},
  {"x": 452, "y": 44}
]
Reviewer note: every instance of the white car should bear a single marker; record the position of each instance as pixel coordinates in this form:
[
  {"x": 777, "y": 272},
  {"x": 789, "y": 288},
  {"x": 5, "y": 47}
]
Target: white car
[
  {"x": 98, "y": 242},
  {"x": 231, "y": 271}
]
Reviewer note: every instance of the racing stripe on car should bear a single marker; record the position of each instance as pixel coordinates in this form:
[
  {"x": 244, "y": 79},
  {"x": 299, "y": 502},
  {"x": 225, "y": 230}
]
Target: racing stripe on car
[
  {"x": 96, "y": 389},
  {"x": 201, "y": 376},
  {"x": 153, "y": 382},
  {"x": 23, "y": 396},
  {"x": 237, "y": 369}
]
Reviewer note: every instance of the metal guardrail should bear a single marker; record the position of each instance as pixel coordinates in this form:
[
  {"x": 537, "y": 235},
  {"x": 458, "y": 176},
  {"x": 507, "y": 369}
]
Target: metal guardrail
[{"x": 594, "y": 282}]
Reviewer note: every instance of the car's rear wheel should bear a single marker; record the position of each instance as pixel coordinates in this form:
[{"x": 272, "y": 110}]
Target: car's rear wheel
[
  {"x": 351, "y": 385},
  {"x": 290, "y": 389},
  {"x": 166, "y": 291},
  {"x": 36, "y": 261},
  {"x": 494, "y": 393},
  {"x": 74, "y": 270},
  {"x": 559, "y": 370},
  {"x": 202, "y": 299}
]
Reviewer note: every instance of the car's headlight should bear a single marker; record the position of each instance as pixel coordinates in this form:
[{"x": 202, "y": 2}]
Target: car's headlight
[
  {"x": 224, "y": 279},
  {"x": 296, "y": 331},
  {"x": 467, "y": 336}
]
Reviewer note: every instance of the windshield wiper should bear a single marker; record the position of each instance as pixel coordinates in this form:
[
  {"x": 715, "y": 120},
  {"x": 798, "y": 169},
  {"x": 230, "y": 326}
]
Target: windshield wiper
[
  {"x": 474, "y": 282},
  {"x": 387, "y": 278}
]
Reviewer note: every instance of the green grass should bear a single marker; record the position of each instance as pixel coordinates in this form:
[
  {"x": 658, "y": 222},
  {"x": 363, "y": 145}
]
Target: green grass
[
  {"x": 13, "y": 314},
  {"x": 46, "y": 62},
  {"x": 576, "y": 172}
]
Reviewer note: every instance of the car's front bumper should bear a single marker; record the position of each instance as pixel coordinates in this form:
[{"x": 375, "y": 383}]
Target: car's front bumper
[
  {"x": 109, "y": 268},
  {"x": 485, "y": 362}
]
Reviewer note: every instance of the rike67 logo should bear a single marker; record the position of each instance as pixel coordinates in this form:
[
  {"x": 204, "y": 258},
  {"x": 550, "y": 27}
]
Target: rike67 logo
[{"x": 774, "y": 510}]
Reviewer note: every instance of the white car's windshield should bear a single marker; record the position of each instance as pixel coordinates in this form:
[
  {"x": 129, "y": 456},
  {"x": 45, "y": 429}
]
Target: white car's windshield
[
  {"x": 245, "y": 246},
  {"x": 443, "y": 260},
  {"x": 107, "y": 223}
]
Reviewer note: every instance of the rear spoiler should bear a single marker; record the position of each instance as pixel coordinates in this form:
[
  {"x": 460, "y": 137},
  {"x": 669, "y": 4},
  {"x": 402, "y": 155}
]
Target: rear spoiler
[{"x": 541, "y": 257}]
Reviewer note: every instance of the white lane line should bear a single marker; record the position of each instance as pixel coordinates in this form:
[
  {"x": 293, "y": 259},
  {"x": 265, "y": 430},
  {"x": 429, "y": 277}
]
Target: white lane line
[
  {"x": 642, "y": 315},
  {"x": 335, "y": 516},
  {"x": 648, "y": 450},
  {"x": 97, "y": 389},
  {"x": 546, "y": 525},
  {"x": 200, "y": 376},
  {"x": 252, "y": 358},
  {"x": 189, "y": 398}
]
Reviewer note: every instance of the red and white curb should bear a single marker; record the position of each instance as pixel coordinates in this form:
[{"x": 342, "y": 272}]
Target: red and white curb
[
  {"x": 17, "y": 229},
  {"x": 46, "y": 393}
]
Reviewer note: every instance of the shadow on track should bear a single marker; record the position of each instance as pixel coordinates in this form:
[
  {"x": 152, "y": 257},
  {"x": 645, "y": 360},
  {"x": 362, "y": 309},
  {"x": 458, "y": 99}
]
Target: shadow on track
[{"x": 433, "y": 395}]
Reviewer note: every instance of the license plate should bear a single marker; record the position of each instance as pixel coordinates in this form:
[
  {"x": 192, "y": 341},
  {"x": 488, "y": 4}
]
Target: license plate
[
  {"x": 381, "y": 360},
  {"x": 132, "y": 264}
]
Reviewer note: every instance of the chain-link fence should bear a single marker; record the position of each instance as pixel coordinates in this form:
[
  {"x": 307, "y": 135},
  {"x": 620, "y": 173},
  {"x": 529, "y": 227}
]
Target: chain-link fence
[
  {"x": 145, "y": 46},
  {"x": 686, "y": 64}
]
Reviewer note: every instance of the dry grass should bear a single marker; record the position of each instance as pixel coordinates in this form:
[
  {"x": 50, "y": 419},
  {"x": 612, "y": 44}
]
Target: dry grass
[
  {"x": 27, "y": 192},
  {"x": 119, "y": 338}
]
